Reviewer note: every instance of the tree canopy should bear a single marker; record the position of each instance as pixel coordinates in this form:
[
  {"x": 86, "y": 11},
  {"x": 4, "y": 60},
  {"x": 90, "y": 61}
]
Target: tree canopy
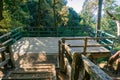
[{"x": 49, "y": 13}]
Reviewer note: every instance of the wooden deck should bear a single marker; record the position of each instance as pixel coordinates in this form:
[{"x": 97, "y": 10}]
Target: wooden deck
[
  {"x": 36, "y": 45},
  {"x": 50, "y": 45}
]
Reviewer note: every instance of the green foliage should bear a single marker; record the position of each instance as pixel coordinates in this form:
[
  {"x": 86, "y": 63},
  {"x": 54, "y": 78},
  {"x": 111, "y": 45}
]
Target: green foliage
[
  {"x": 89, "y": 11},
  {"x": 37, "y": 13},
  {"x": 74, "y": 18}
]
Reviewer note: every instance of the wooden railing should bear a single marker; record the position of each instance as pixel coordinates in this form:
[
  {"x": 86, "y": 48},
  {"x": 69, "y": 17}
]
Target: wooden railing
[
  {"x": 52, "y": 31},
  {"x": 68, "y": 32},
  {"x": 81, "y": 66},
  {"x": 6, "y": 41}
]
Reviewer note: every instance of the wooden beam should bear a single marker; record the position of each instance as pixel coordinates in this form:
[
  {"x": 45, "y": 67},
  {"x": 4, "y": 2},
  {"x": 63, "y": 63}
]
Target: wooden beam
[
  {"x": 7, "y": 34},
  {"x": 90, "y": 38},
  {"x": 68, "y": 53},
  {"x": 98, "y": 45},
  {"x": 29, "y": 78},
  {"x": 76, "y": 66},
  {"x": 32, "y": 72},
  {"x": 62, "y": 63},
  {"x": 4, "y": 63},
  {"x": 9, "y": 40},
  {"x": 2, "y": 49},
  {"x": 94, "y": 71},
  {"x": 85, "y": 45},
  {"x": 100, "y": 55}
]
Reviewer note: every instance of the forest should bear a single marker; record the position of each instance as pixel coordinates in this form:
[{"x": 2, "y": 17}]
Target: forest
[{"x": 55, "y": 13}]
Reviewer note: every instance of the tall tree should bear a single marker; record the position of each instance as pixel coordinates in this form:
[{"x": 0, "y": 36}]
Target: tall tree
[
  {"x": 99, "y": 14},
  {"x": 1, "y": 9},
  {"x": 39, "y": 12},
  {"x": 117, "y": 23},
  {"x": 88, "y": 12},
  {"x": 54, "y": 13}
]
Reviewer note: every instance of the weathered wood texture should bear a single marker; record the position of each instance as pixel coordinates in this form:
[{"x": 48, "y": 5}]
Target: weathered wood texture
[
  {"x": 3, "y": 63},
  {"x": 2, "y": 49},
  {"x": 7, "y": 59},
  {"x": 89, "y": 45},
  {"x": 81, "y": 66},
  {"x": 94, "y": 71},
  {"x": 33, "y": 72}
]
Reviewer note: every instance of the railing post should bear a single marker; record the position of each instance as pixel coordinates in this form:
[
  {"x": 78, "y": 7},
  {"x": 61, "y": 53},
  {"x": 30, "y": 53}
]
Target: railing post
[
  {"x": 11, "y": 60},
  {"x": 3, "y": 58},
  {"x": 85, "y": 45},
  {"x": 59, "y": 50},
  {"x": 77, "y": 66},
  {"x": 62, "y": 63}
]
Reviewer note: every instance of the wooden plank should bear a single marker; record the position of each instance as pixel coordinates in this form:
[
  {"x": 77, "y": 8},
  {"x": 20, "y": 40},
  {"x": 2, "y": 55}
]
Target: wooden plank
[
  {"x": 2, "y": 49},
  {"x": 62, "y": 63},
  {"x": 89, "y": 38},
  {"x": 94, "y": 71},
  {"x": 85, "y": 45},
  {"x": 29, "y": 78},
  {"x": 37, "y": 67},
  {"x": 16, "y": 34},
  {"x": 32, "y": 72},
  {"x": 80, "y": 38},
  {"x": 7, "y": 34},
  {"x": 100, "y": 55},
  {"x": 4, "y": 63},
  {"x": 96, "y": 45},
  {"x": 4, "y": 43},
  {"x": 68, "y": 53}
]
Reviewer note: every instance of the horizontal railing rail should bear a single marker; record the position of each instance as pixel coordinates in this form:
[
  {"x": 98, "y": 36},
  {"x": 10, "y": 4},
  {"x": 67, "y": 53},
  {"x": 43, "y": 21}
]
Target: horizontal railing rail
[
  {"x": 52, "y": 31},
  {"x": 107, "y": 42},
  {"x": 80, "y": 65},
  {"x": 75, "y": 31},
  {"x": 6, "y": 41}
]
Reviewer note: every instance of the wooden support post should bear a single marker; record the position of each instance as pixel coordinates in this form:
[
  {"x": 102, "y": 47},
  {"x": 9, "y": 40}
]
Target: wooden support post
[
  {"x": 3, "y": 58},
  {"x": 62, "y": 63},
  {"x": 11, "y": 60},
  {"x": 59, "y": 49},
  {"x": 85, "y": 45},
  {"x": 77, "y": 65}
]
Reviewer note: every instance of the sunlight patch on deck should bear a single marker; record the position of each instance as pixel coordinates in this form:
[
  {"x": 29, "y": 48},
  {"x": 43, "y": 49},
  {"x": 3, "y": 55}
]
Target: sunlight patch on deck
[{"x": 36, "y": 45}]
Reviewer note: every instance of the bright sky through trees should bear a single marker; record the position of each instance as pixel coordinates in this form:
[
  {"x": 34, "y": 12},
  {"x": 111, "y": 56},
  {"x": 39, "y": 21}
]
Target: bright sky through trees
[{"x": 77, "y": 4}]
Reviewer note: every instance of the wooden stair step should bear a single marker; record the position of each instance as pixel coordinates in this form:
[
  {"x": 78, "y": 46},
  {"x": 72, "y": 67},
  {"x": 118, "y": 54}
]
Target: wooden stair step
[
  {"x": 33, "y": 69},
  {"x": 34, "y": 72},
  {"x": 29, "y": 78}
]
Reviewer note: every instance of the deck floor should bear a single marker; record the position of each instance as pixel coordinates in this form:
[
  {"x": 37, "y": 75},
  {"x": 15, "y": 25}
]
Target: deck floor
[
  {"x": 36, "y": 45},
  {"x": 50, "y": 45}
]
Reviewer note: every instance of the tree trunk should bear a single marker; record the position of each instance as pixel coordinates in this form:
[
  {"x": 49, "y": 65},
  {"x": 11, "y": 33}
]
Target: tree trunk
[
  {"x": 54, "y": 13},
  {"x": 1, "y": 9},
  {"x": 118, "y": 29},
  {"x": 55, "y": 22},
  {"x": 39, "y": 12},
  {"x": 99, "y": 14},
  {"x": 117, "y": 23}
]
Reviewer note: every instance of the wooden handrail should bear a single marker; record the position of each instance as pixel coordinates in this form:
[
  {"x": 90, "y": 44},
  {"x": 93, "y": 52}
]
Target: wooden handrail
[
  {"x": 89, "y": 38},
  {"x": 98, "y": 45},
  {"x": 92, "y": 70},
  {"x": 7, "y": 41},
  {"x": 7, "y": 34},
  {"x": 3, "y": 63},
  {"x": 2, "y": 49}
]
